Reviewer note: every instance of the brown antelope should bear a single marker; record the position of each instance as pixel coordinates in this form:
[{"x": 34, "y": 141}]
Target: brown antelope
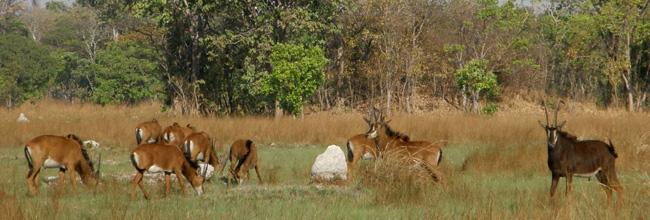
[
  {"x": 156, "y": 158},
  {"x": 148, "y": 131},
  {"x": 569, "y": 157},
  {"x": 390, "y": 142},
  {"x": 64, "y": 153},
  {"x": 175, "y": 134},
  {"x": 198, "y": 147},
  {"x": 243, "y": 157},
  {"x": 360, "y": 146}
]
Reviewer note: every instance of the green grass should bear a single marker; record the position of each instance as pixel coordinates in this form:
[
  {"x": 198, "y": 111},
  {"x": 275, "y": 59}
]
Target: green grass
[{"x": 288, "y": 194}]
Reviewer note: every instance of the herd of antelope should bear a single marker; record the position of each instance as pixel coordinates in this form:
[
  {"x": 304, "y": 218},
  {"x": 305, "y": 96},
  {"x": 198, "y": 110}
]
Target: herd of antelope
[{"x": 181, "y": 151}]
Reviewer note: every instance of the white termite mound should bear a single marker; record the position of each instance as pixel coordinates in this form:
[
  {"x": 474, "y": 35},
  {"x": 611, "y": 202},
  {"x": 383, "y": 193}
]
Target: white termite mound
[{"x": 330, "y": 165}]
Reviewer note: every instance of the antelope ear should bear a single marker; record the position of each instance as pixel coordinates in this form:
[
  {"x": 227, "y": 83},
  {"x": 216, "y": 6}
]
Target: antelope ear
[
  {"x": 561, "y": 125},
  {"x": 366, "y": 119},
  {"x": 386, "y": 122},
  {"x": 175, "y": 124},
  {"x": 541, "y": 124}
]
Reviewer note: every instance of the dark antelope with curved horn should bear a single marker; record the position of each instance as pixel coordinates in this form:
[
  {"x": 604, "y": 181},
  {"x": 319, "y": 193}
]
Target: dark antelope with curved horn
[{"x": 569, "y": 157}]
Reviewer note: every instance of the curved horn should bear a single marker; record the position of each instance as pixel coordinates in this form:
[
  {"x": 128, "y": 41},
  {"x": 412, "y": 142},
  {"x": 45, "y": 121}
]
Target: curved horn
[
  {"x": 99, "y": 166},
  {"x": 557, "y": 109}
]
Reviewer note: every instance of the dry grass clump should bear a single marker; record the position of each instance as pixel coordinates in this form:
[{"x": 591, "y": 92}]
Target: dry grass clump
[{"x": 394, "y": 180}]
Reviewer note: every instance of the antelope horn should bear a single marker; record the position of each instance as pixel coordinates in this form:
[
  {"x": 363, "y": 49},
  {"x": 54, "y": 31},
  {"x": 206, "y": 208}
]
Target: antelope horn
[
  {"x": 99, "y": 166},
  {"x": 545, "y": 112},
  {"x": 557, "y": 109}
]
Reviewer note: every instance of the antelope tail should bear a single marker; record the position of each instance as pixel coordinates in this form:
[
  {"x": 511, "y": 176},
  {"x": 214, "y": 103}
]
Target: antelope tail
[
  {"x": 30, "y": 162},
  {"x": 611, "y": 149},
  {"x": 350, "y": 153},
  {"x": 135, "y": 163},
  {"x": 138, "y": 135}
]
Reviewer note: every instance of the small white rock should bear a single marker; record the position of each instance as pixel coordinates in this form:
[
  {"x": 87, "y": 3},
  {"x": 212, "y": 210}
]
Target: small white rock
[
  {"x": 22, "y": 118},
  {"x": 206, "y": 172},
  {"x": 91, "y": 144},
  {"x": 330, "y": 165}
]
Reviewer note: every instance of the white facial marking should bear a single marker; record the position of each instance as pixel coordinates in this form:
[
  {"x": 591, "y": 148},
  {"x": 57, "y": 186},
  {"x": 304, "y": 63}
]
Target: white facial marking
[
  {"x": 587, "y": 175},
  {"x": 199, "y": 190},
  {"x": 200, "y": 156},
  {"x": 151, "y": 140},
  {"x": 373, "y": 134}
]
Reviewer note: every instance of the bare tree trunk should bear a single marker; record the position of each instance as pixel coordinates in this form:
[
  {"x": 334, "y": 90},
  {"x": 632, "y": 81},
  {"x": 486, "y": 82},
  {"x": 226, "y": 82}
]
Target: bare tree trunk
[
  {"x": 464, "y": 92},
  {"x": 628, "y": 91},
  {"x": 389, "y": 97},
  {"x": 278, "y": 109},
  {"x": 475, "y": 103}
]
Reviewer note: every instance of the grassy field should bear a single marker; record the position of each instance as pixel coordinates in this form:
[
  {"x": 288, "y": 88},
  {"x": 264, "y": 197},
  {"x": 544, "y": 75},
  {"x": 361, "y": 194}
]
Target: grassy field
[{"x": 495, "y": 168}]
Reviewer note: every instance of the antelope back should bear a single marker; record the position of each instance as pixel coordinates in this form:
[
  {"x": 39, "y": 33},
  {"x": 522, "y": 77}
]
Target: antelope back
[{"x": 196, "y": 146}]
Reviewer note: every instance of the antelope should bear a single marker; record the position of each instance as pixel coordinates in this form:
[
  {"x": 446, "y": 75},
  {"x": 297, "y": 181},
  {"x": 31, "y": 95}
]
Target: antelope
[
  {"x": 569, "y": 157},
  {"x": 360, "y": 146},
  {"x": 175, "y": 134},
  {"x": 390, "y": 142},
  {"x": 199, "y": 147},
  {"x": 49, "y": 151},
  {"x": 148, "y": 131},
  {"x": 156, "y": 158},
  {"x": 243, "y": 157}
]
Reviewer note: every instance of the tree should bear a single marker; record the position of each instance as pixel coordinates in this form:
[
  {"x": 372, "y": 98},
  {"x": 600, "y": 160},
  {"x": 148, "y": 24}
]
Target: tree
[
  {"x": 475, "y": 79},
  {"x": 297, "y": 73},
  {"x": 26, "y": 69},
  {"x": 127, "y": 73}
]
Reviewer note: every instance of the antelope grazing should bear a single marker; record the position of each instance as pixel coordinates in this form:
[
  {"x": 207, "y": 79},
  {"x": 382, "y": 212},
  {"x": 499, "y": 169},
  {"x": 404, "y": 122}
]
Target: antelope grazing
[
  {"x": 199, "y": 147},
  {"x": 49, "y": 151},
  {"x": 156, "y": 158},
  {"x": 568, "y": 157},
  {"x": 148, "y": 131},
  {"x": 390, "y": 142},
  {"x": 243, "y": 157},
  {"x": 175, "y": 134}
]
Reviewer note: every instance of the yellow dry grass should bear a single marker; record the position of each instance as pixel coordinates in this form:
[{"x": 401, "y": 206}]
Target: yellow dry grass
[{"x": 515, "y": 136}]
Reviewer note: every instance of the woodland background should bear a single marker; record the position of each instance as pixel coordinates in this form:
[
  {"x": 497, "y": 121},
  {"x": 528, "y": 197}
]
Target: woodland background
[{"x": 264, "y": 57}]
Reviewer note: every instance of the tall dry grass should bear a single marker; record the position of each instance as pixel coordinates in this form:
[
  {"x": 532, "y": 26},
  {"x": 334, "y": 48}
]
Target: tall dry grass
[{"x": 514, "y": 138}]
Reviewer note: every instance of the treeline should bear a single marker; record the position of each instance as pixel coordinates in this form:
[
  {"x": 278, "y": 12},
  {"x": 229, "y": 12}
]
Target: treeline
[{"x": 260, "y": 57}]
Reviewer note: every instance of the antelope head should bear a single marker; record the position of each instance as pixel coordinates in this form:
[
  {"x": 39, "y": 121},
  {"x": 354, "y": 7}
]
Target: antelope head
[
  {"x": 200, "y": 179},
  {"x": 377, "y": 122},
  {"x": 94, "y": 170},
  {"x": 552, "y": 129}
]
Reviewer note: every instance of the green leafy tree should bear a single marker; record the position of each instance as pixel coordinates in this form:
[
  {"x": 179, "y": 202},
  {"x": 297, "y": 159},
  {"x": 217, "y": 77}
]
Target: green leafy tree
[
  {"x": 297, "y": 73},
  {"x": 127, "y": 72},
  {"x": 26, "y": 69},
  {"x": 475, "y": 79}
]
